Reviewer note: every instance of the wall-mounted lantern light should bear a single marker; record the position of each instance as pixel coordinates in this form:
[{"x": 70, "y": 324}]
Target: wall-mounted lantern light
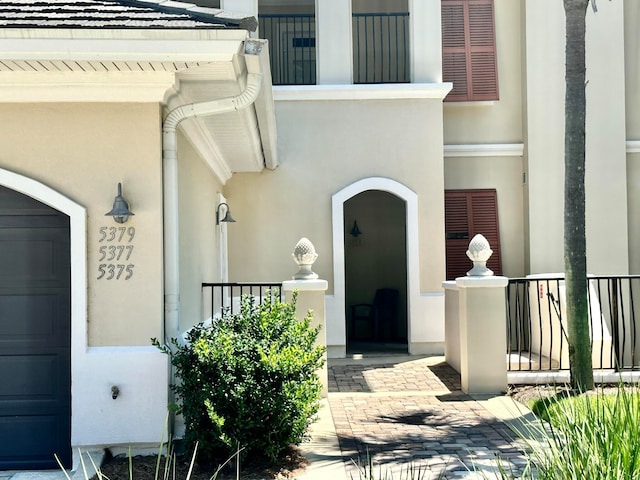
[
  {"x": 120, "y": 211},
  {"x": 227, "y": 215},
  {"x": 355, "y": 231}
]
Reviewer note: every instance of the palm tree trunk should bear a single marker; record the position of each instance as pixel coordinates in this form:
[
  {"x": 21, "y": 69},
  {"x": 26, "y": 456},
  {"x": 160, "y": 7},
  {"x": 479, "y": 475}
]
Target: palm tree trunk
[{"x": 575, "y": 258}]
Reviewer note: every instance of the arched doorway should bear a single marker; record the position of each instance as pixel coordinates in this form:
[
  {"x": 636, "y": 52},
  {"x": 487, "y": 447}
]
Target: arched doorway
[
  {"x": 35, "y": 333},
  {"x": 336, "y": 305},
  {"x": 375, "y": 272}
]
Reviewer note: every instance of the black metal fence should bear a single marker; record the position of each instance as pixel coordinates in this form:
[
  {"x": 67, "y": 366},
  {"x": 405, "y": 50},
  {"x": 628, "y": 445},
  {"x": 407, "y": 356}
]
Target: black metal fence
[
  {"x": 220, "y": 298},
  {"x": 537, "y": 326},
  {"x": 380, "y": 47}
]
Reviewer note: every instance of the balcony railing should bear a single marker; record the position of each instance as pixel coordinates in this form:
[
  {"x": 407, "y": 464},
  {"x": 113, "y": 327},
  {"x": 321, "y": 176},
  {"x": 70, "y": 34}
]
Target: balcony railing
[
  {"x": 292, "y": 47},
  {"x": 222, "y": 298},
  {"x": 537, "y": 324},
  {"x": 380, "y": 47}
]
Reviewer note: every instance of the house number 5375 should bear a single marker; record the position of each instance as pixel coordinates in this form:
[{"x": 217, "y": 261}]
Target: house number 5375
[{"x": 111, "y": 271}]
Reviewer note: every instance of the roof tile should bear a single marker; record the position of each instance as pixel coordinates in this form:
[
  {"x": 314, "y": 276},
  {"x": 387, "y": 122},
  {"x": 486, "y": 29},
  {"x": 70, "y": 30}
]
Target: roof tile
[{"x": 138, "y": 14}]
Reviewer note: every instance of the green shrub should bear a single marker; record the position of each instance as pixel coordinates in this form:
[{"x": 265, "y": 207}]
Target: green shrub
[{"x": 249, "y": 379}]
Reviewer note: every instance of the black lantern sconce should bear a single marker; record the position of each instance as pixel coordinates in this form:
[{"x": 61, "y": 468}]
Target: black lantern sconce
[
  {"x": 120, "y": 211},
  {"x": 355, "y": 231},
  {"x": 227, "y": 216}
]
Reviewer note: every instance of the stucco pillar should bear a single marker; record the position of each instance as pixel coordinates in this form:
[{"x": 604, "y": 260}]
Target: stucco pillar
[
  {"x": 451, "y": 325},
  {"x": 311, "y": 297},
  {"x": 334, "y": 51},
  {"x": 425, "y": 43},
  {"x": 477, "y": 325},
  {"x": 483, "y": 334}
]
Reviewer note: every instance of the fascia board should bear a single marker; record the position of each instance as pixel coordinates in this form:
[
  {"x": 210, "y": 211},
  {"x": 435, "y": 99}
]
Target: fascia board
[
  {"x": 84, "y": 86},
  {"x": 113, "y": 50}
]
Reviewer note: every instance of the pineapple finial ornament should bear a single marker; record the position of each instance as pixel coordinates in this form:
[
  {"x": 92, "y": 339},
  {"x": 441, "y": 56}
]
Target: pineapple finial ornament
[
  {"x": 304, "y": 254},
  {"x": 479, "y": 252}
]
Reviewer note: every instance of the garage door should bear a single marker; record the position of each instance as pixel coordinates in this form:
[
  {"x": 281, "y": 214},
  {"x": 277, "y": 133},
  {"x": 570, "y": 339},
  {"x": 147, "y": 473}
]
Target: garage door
[{"x": 35, "y": 334}]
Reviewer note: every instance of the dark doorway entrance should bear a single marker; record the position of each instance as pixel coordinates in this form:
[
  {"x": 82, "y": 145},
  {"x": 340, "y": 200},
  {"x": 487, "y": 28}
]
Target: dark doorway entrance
[
  {"x": 35, "y": 334},
  {"x": 375, "y": 272}
]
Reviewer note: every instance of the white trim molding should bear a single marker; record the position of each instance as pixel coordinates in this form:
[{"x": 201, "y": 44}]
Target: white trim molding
[
  {"x": 388, "y": 91},
  {"x": 78, "y": 227},
  {"x": 505, "y": 149},
  {"x": 485, "y": 150}
]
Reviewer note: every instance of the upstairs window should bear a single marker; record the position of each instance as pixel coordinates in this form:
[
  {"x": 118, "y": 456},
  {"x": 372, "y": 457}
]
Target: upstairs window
[{"x": 469, "y": 50}]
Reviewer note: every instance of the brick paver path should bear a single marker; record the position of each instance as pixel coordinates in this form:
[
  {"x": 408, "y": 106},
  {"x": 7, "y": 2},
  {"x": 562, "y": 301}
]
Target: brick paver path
[{"x": 412, "y": 412}]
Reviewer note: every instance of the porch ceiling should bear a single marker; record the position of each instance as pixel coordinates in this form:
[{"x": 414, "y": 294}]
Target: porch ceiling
[
  {"x": 228, "y": 142},
  {"x": 174, "y": 70}
]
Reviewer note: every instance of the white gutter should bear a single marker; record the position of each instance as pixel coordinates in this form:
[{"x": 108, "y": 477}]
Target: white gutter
[{"x": 170, "y": 172}]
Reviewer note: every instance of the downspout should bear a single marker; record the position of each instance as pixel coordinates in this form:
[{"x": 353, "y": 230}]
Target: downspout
[{"x": 170, "y": 173}]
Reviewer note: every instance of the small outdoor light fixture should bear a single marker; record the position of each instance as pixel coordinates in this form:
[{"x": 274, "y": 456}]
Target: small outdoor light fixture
[
  {"x": 355, "y": 231},
  {"x": 227, "y": 215},
  {"x": 120, "y": 211}
]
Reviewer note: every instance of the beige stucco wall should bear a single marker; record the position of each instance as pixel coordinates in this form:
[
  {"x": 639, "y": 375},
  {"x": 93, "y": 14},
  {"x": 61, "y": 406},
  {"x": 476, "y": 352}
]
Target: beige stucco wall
[
  {"x": 324, "y": 146},
  {"x": 500, "y": 121},
  {"x": 505, "y": 175},
  {"x": 606, "y": 164},
  {"x": 633, "y": 189},
  {"x": 544, "y": 95},
  {"x": 83, "y": 151},
  {"x": 199, "y": 235},
  {"x": 632, "y": 67}
]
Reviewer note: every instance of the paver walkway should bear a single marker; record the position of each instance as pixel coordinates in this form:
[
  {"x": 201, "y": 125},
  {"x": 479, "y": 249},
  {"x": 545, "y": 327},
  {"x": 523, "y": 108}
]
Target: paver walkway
[
  {"x": 398, "y": 411},
  {"x": 402, "y": 411}
]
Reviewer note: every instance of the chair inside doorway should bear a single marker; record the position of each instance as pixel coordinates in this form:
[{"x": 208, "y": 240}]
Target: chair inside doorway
[{"x": 376, "y": 321}]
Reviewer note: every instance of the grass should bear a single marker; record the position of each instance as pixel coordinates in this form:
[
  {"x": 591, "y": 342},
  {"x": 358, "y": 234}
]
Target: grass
[
  {"x": 592, "y": 435},
  {"x": 165, "y": 470},
  {"x": 367, "y": 470}
]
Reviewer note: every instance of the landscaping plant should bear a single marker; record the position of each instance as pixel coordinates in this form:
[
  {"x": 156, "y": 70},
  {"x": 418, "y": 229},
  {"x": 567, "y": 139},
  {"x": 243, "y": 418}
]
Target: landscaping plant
[
  {"x": 591, "y": 435},
  {"x": 367, "y": 470},
  {"x": 249, "y": 379}
]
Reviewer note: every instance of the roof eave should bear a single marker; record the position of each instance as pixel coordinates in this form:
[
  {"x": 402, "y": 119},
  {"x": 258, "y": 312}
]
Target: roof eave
[{"x": 121, "y": 45}]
